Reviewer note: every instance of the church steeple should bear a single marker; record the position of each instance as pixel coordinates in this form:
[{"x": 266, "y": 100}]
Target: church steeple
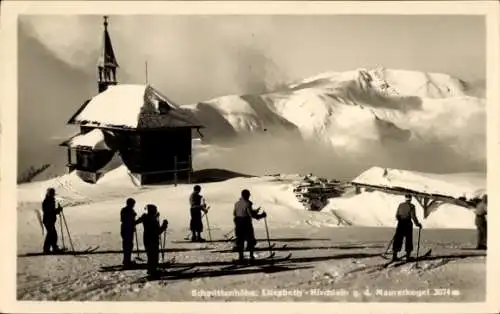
[{"x": 107, "y": 64}]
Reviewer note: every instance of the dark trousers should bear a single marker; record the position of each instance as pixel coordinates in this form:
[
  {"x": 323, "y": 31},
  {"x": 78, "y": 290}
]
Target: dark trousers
[
  {"x": 196, "y": 223},
  {"x": 153, "y": 252},
  {"x": 481, "y": 231},
  {"x": 127, "y": 245},
  {"x": 404, "y": 231},
  {"x": 244, "y": 232},
  {"x": 50, "y": 237}
]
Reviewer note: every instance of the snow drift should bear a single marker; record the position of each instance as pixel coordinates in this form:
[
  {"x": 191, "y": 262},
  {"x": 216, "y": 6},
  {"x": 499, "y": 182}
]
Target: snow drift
[
  {"x": 378, "y": 208},
  {"x": 274, "y": 193},
  {"x": 468, "y": 185}
]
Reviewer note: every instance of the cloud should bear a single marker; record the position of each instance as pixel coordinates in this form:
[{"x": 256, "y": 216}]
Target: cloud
[
  {"x": 189, "y": 58},
  {"x": 194, "y": 58}
]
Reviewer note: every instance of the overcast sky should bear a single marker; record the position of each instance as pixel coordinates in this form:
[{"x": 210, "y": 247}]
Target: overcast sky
[{"x": 192, "y": 58}]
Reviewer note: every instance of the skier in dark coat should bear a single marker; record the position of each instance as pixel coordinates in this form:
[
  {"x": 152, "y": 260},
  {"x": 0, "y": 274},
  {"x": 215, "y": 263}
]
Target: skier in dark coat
[
  {"x": 127, "y": 230},
  {"x": 243, "y": 228},
  {"x": 50, "y": 212},
  {"x": 481, "y": 223},
  {"x": 152, "y": 232},
  {"x": 404, "y": 230},
  {"x": 197, "y": 206}
]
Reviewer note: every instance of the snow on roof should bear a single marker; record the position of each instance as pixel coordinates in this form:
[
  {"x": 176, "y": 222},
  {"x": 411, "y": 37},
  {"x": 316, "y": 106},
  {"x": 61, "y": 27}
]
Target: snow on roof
[
  {"x": 133, "y": 106},
  {"x": 94, "y": 140},
  {"x": 469, "y": 185}
]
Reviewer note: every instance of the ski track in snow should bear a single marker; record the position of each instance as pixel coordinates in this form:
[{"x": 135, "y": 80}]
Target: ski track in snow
[
  {"x": 324, "y": 261},
  {"x": 85, "y": 286}
]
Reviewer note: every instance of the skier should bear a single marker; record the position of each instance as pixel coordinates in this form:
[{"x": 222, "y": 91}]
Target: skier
[
  {"x": 481, "y": 213},
  {"x": 50, "y": 212},
  {"x": 127, "y": 218},
  {"x": 152, "y": 232},
  {"x": 404, "y": 230},
  {"x": 198, "y": 205},
  {"x": 243, "y": 228}
]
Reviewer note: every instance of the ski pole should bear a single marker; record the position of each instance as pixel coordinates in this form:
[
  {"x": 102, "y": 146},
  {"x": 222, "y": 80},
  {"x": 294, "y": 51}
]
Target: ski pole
[
  {"x": 39, "y": 217},
  {"x": 163, "y": 250},
  {"x": 161, "y": 246},
  {"x": 389, "y": 246},
  {"x": 67, "y": 230},
  {"x": 136, "y": 245},
  {"x": 208, "y": 227},
  {"x": 62, "y": 232},
  {"x": 418, "y": 246},
  {"x": 268, "y": 239}
]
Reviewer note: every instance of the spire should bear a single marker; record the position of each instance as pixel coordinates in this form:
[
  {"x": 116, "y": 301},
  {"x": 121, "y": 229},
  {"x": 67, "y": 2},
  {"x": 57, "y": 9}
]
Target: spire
[{"x": 107, "y": 64}]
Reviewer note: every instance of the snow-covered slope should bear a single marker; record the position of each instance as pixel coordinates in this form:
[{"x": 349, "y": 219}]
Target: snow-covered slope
[
  {"x": 468, "y": 185},
  {"x": 273, "y": 193},
  {"x": 378, "y": 208},
  {"x": 392, "y": 118}
]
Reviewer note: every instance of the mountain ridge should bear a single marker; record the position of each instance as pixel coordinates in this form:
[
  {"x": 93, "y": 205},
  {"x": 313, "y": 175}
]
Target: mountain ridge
[{"x": 341, "y": 114}]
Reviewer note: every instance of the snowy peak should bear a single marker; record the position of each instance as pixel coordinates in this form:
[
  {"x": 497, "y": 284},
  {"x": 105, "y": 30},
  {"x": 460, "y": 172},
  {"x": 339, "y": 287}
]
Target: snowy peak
[
  {"x": 421, "y": 84},
  {"x": 391, "y": 82}
]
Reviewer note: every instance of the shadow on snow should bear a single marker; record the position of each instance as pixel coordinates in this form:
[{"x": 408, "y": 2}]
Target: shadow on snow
[
  {"x": 305, "y": 248},
  {"x": 173, "y": 250},
  {"x": 262, "y": 264},
  {"x": 259, "y": 240},
  {"x": 211, "y": 273}
]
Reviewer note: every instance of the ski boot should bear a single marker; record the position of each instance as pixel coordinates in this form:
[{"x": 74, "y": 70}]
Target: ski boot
[
  {"x": 408, "y": 257},
  {"x": 395, "y": 257}
]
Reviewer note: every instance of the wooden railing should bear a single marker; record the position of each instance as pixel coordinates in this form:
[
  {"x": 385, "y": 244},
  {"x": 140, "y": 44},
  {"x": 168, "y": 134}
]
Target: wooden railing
[{"x": 179, "y": 167}]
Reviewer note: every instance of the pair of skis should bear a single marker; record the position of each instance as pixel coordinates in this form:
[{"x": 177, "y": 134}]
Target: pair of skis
[
  {"x": 162, "y": 247},
  {"x": 135, "y": 266},
  {"x": 397, "y": 263},
  {"x": 88, "y": 250},
  {"x": 164, "y": 274},
  {"x": 63, "y": 226},
  {"x": 270, "y": 259},
  {"x": 65, "y": 251},
  {"x": 273, "y": 245},
  {"x": 205, "y": 214}
]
